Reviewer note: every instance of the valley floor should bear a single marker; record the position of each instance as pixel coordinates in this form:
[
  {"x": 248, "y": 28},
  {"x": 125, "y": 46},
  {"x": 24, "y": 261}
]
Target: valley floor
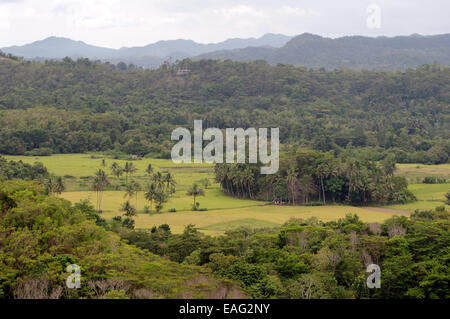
[{"x": 224, "y": 212}]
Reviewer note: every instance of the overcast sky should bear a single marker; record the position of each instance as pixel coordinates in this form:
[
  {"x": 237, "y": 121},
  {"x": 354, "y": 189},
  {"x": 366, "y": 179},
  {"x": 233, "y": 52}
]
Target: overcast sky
[{"x": 117, "y": 23}]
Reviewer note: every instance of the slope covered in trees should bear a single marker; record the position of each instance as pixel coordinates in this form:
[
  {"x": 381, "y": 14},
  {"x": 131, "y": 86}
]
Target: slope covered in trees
[
  {"x": 40, "y": 235},
  {"x": 308, "y": 259},
  {"x": 357, "y": 52},
  {"x": 78, "y": 106}
]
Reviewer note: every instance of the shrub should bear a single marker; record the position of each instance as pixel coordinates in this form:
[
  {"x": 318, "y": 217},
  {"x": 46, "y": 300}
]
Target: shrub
[{"x": 44, "y": 151}]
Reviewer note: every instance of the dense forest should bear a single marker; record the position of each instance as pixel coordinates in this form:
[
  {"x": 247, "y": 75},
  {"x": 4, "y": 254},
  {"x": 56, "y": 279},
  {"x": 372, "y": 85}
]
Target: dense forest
[
  {"x": 356, "y": 52},
  {"x": 312, "y": 177},
  {"x": 78, "y": 106},
  {"x": 40, "y": 235},
  {"x": 308, "y": 259}
]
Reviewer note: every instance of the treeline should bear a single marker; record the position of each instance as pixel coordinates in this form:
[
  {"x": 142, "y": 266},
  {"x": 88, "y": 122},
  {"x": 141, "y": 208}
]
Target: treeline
[
  {"x": 309, "y": 259},
  {"x": 20, "y": 170},
  {"x": 77, "y": 106},
  {"x": 312, "y": 177}
]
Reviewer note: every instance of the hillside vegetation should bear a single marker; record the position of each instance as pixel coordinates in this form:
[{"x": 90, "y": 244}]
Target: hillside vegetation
[
  {"x": 78, "y": 106},
  {"x": 40, "y": 235}
]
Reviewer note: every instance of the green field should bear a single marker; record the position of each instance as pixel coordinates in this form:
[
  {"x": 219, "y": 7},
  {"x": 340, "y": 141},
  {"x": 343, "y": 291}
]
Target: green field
[
  {"x": 416, "y": 172},
  {"x": 224, "y": 212}
]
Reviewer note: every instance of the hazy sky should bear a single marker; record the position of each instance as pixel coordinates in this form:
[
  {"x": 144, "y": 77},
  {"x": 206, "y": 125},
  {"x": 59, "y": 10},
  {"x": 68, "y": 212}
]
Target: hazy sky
[{"x": 117, "y": 23}]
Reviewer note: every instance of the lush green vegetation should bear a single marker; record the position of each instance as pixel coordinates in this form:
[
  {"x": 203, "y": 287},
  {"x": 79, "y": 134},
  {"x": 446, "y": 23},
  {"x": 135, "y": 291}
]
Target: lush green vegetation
[
  {"x": 21, "y": 170},
  {"x": 224, "y": 212},
  {"x": 308, "y": 176},
  {"x": 342, "y": 133},
  {"x": 78, "y": 106},
  {"x": 311, "y": 259},
  {"x": 40, "y": 235}
]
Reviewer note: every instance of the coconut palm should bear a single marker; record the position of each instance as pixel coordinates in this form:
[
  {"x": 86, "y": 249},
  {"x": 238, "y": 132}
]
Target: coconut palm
[
  {"x": 292, "y": 183},
  {"x": 131, "y": 190},
  {"x": 129, "y": 169},
  {"x": 159, "y": 181},
  {"x": 99, "y": 183},
  {"x": 195, "y": 191},
  {"x": 170, "y": 182},
  {"x": 128, "y": 209},
  {"x": 116, "y": 170},
  {"x": 150, "y": 193},
  {"x": 149, "y": 170},
  {"x": 59, "y": 186}
]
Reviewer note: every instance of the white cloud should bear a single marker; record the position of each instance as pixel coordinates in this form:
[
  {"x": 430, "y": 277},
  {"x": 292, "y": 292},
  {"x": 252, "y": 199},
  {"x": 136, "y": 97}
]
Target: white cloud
[
  {"x": 239, "y": 11},
  {"x": 116, "y": 23},
  {"x": 94, "y": 14},
  {"x": 299, "y": 11}
]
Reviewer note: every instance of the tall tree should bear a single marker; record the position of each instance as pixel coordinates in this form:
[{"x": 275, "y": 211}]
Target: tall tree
[
  {"x": 117, "y": 171},
  {"x": 99, "y": 183},
  {"x": 195, "y": 191}
]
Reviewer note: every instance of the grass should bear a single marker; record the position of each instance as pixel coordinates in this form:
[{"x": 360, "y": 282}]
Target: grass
[
  {"x": 217, "y": 221},
  {"x": 251, "y": 223},
  {"x": 112, "y": 200},
  {"x": 428, "y": 196},
  {"x": 224, "y": 213},
  {"x": 416, "y": 172}
]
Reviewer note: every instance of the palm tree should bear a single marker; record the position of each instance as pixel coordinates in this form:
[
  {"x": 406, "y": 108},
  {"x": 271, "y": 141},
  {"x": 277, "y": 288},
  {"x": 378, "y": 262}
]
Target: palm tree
[
  {"x": 351, "y": 170},
  {"x": 248, "y": 180},
  {"x": 195, "y": 191},
  {"x": 128, "y": 209},
  {"x": 50, "y": 185},
  {"x": 132, "y": 189},
  {"x": 150, "y": 193},
  {"x": 149, "y": 170},
  {"x": 59, "y": 186},
  {"x": 129, "y": 169},
  {"x": 322, "y": 171},
  {"x": 116, "y": 170},
  {"x": 98, "y": 185},
  {"x": 170, "y": 182},
  {"x": 292, "y": 183},
  {"x": 161, "y": 196},
  {"x": 158, "y": 179},
  {"x": 132, "y": 169}
]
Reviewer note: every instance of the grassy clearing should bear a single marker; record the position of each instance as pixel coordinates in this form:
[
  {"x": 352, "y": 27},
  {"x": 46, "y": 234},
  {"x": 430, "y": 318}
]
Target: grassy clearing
[
  {"x": 78, "y": 169},
  {"x": 112, "y": 200},
  {"x": 251, "y": 223},
  {"x": 429, "y": 196},
  {"x": 224, "y": 212},
  {"x": 217, "y": 221},
  {"x": 416, "y": 172}
]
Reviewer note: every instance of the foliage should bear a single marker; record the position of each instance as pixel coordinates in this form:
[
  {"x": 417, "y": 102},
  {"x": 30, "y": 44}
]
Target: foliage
[
  {"x": 310, "y": 259},
  {"x": 58, "y": 106},
  {"x": 40, "y": 235},
  {"x": 305, "y": 176}
]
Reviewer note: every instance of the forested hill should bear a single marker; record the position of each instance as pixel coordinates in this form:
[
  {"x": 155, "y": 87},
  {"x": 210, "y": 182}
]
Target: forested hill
[
  {"x": 309, "y": 50},
  {"x": 357, "y": 52},
  {"x": 78, "y": 106}
]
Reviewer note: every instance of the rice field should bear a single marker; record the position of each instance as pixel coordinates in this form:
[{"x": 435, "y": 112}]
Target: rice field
[{"x": 223, "y": 212}]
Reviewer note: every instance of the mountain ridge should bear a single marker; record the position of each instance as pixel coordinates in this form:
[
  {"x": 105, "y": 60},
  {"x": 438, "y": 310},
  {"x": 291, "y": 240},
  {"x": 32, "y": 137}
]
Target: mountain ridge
[{"x": 307, "y": 49}]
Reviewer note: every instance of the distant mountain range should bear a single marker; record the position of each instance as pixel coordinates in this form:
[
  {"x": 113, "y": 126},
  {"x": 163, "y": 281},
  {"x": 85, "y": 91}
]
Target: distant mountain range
[
  {"x": 151, "y": 55},
  {"x": 309, "y": 50}
]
